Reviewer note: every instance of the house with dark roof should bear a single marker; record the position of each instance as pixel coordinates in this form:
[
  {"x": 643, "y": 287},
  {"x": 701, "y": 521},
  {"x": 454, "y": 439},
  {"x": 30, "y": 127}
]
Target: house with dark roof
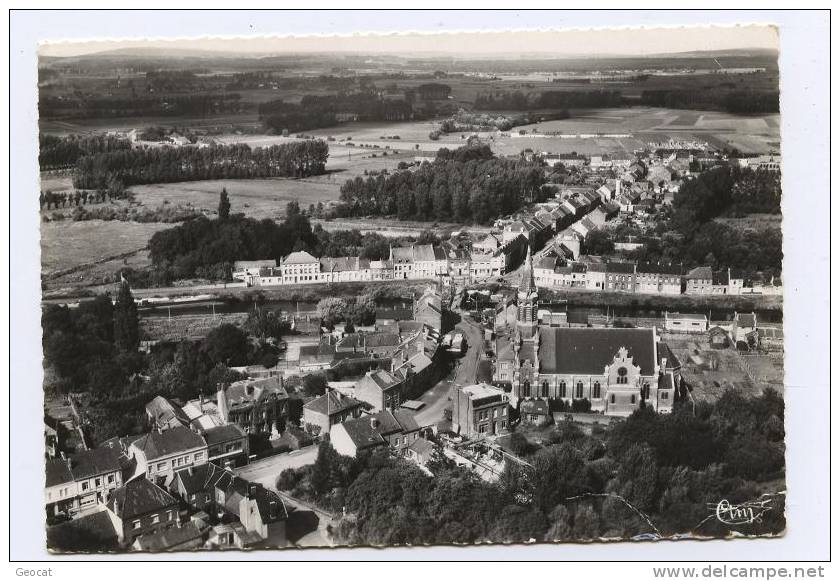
[
  {"x": 140, "y": 507},
  {"x": 395, "y": 430},
  {"x": 160, "y": 454},
  {"x": 162, "y": 414},
  {"x": 380, "y": 389},
  {"x": 535, "y": 411},
  {"x": 428, "y": 309},
  {"x": 88, "y": 533},
  {"x": 227, "y": 445},
  {"x": 329, "y": 409},
  {"x": 82, "y": 481},
  {"x": 742, "y": 325},
  {"x": 224, "y": 496},
  {"x": 186, "y": 537},
  {"x": 255, "y": 405}
]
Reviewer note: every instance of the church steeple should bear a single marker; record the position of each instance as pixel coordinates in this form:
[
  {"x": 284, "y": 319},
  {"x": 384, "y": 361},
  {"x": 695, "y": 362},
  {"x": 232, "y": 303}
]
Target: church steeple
[
  {"x": 526, "y": 299},
  {"x": 526, "y": 283}
]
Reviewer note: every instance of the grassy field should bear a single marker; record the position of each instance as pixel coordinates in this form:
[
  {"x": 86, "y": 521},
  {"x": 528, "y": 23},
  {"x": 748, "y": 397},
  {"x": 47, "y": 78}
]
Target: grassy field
[
  {"x": 259, "y": 198},
  {"x": 79, "y": 254}
]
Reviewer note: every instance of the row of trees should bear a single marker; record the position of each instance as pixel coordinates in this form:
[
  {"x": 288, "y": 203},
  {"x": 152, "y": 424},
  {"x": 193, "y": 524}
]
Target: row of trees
[
  {"x": 195, "y": 105},
  {"x": 61, "y": 152},
  {"x": 715, "y": 99},
  {"x": 315, "y": 111},
  {"x": 170, "y": 164},
  {"x": 519, "y": 101},
  {"x": 649, "y": 474},
  {"x": 479, "y": 190}
]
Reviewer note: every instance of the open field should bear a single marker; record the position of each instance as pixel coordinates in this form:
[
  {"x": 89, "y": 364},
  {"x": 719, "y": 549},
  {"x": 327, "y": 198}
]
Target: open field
[
  {"x": 83, "y": 247},
  {"x": 257, "y": 198}
]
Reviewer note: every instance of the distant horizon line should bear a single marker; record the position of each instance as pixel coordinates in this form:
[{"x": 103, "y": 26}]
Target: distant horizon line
[{"x": 459, "y": 56}]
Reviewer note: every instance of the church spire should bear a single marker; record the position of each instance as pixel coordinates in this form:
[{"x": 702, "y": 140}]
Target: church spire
[{"x": 526, "y": 283}]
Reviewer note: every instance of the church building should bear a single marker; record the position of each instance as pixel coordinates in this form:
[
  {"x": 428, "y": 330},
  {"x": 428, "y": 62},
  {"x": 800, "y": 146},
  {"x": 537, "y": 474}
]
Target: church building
[{"x": 615, "y": 369}]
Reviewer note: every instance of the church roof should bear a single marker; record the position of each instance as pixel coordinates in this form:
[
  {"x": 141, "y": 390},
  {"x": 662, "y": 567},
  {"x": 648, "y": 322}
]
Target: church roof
[{"x": 587, "y": 351}]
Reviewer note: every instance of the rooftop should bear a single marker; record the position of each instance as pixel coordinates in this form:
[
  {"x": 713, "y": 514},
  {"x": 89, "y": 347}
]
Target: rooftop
[
  {"x": 138, "y": 497},
  {"x": 226, "y": 433},
  {"x": 588, "y": 350},
  {"x": 174, "y": 441},
  {"x": 334, "y": 401}
]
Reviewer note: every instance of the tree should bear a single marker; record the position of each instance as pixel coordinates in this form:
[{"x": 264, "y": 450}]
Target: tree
[
  {"x": 331, "y": 310},
  {"x": 227, "y": 344},
  {"x": 224, "y": 205},
  {"x": 315, "y": 384},
  {"x": 520, "y": 445},
  {"x": 126, "y": 320}
]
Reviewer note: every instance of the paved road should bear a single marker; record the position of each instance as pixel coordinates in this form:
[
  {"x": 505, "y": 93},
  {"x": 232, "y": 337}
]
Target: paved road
[
  {"x": 437, "y": 398},
  {"x": 306, "y": 527},
  {"x": 267, "y": 470},
  {"x": 473, "y": 333}
]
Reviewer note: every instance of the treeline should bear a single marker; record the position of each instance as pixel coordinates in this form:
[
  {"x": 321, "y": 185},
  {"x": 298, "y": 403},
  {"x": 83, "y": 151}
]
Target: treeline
[
  {"x": 208, "y": 248},
  {"x": 651, "y": 474},
  {"x": 201, "y": 105},
  {"x": 63, "y": 152},
  {"x": 725, "y": 190},
  {"x": 690, "y": 234},
  {"x": 170, "y": 164},
  {"x": 478, "y": 189},
  {"x": 519, "y": 101},
  {"x": 315, "y": 111},
  {"x": 466, "y": 121},
  {"x": 740, "y": 102}
]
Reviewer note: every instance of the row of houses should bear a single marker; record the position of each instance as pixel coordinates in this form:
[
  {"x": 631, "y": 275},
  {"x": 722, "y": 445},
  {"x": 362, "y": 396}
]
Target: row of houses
[
  {"x": 593, "y": 274},
  {"x": 203, "y": 506}
]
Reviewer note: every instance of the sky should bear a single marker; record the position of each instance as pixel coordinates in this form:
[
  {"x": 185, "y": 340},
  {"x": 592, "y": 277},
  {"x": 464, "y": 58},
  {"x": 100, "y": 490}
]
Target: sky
[{"x": 547, "y": 43}]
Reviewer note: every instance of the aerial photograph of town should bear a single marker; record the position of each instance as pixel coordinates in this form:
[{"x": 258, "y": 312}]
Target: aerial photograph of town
[{"x": 303, "y": 295}]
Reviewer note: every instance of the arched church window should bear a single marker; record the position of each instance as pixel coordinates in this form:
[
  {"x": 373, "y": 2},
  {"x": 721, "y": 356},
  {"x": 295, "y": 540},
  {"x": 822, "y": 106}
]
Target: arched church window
[
  {"x": 562, "y": 389},
  {"x": 526, "y": 389},
  {"x": 596, "y": 390},
  {"x": 544, "y": 389},
  {"x": 579, "y": 390}
]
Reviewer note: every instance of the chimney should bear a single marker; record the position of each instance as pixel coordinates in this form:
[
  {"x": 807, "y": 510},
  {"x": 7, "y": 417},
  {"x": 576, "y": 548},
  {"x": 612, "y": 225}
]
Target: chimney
[
  {"x": 663, "y": 365},
  {"x": 252, "y": 490},
  {"x": 374, "y": 423}
]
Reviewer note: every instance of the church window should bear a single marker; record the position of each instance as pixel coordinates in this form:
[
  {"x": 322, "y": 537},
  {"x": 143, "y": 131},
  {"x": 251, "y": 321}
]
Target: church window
[
  {"x": 544, "y": 389},
  {"x": 612, "y": 398},
  {"x": 596, "y": 390},
  {"x": 622, "y": 375},
  {"x": 579, "y": 390},
  {"x": 562, "y": 389}
]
